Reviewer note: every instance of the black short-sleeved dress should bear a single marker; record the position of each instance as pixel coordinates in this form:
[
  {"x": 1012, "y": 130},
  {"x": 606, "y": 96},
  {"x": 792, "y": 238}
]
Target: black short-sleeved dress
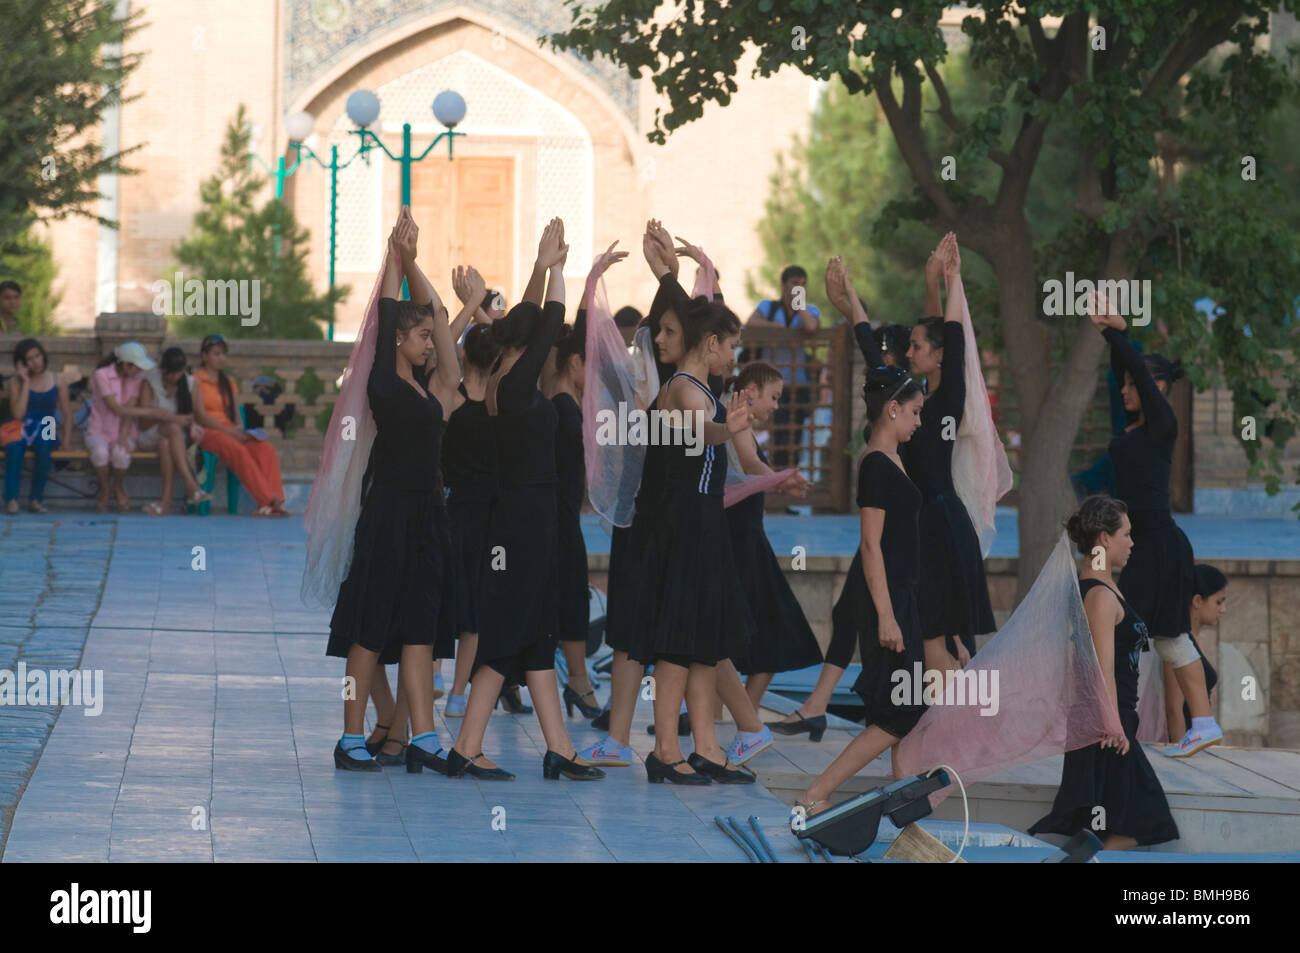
[
  {"x": 691, "y": 608},
  {"x": 954, "y": 594},
  {"x": 467, "y": 466},
  {"x": 400, "y": 589},
  {"x": 782, "y": 640},
  {"x": 1125, "y": 785},
  {"x": 1160, "y": 576},
  {"x": 574, "y": 610},
  {"x": 518, "y": 585},
  {"x": 882, "y": 485}
]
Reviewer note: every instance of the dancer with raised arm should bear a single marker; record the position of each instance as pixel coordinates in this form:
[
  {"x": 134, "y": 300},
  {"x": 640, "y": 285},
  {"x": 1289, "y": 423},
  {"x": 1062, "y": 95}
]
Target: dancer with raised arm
[
  {"x": 1159, "y": 578},
  {"x": 399, "y": 594},
  {"x": 1114, "y": 774},
  {"x": 517, "y": 596},
  {"x": 878, "y": 602}
]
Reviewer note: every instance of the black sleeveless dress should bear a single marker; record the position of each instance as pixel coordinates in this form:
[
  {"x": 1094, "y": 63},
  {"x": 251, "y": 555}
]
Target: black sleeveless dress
[
  {"x": 691, "y": 608},
  {"x": 782, "y": 640},
  {"x": 882, "y": 485},
  {"x": 1160, "y": 576},
  {"x": 1125, "y": 786},
  {"x": 954, "y": 596},
  {"x": 467, "y": 452},
  {"x": 518, "y": 585},
  {"x": 574, "y": 610},
  {"x": 401, "y": 588}
]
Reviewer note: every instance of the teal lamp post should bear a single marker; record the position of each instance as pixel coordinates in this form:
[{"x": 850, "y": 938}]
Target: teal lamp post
[{"x": 363, "y": 109}]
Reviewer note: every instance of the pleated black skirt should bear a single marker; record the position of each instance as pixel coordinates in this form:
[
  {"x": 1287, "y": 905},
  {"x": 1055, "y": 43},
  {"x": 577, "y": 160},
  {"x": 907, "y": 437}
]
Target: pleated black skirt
[
  {"x": 953, "y": 594},
  {"x": 1159, "y": 580},
  {"x": 518, "y": 583},
  {"x": 1124, "y": 786},
  {"x": 573, "y": 608},
  {"x": 782, "y": 640},
  {"x": 690, "y": 604},
  {"x": 855, "y": 612},
  {"x": 401, "y": 587},
  {"x": 468, "y": 524}
]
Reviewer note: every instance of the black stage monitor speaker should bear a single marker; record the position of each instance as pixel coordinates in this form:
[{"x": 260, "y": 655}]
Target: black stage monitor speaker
[{"x": 851, "y": 828}]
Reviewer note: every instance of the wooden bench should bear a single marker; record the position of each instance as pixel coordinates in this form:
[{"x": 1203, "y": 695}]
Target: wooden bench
[{"x": 207, "y": 478}]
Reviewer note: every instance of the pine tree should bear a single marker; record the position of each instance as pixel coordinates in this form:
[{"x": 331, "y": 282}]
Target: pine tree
[
  {"x": 30, "y": 262},
  {"x": 235, "y": 240}
]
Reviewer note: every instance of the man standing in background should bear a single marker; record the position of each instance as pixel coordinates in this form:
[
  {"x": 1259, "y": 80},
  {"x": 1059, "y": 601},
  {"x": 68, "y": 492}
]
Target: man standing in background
[{"x": 792, "y": 311}]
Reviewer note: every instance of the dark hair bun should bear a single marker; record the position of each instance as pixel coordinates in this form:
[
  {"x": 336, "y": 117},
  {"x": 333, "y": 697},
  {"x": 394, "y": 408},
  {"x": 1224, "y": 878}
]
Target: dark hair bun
[
  {"x": 1096, "y": 515},
  {"x": 884, "y": 378},
  {"x": 480, "y": 349},
  {"x": 513, "y": 330}
]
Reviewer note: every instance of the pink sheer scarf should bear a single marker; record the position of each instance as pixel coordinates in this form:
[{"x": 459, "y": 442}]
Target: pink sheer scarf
[
  {"x": 980, "y": 471},
  {"x": 1045, "y": 686},
  {"x": 335, "y": 502}
]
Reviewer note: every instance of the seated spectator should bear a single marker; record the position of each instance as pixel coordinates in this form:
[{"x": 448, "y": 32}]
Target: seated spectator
[
  {"x": 254, "y": 460},
  {"x": 38, "y": 401},
  {"x": 114, "y": 406},
  {"x": 167, "y": 395},
  {"x": 11, "y": 297}
]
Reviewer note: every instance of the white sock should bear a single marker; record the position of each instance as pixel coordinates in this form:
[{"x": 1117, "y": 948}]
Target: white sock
[{"x": 1203, "y": 724}]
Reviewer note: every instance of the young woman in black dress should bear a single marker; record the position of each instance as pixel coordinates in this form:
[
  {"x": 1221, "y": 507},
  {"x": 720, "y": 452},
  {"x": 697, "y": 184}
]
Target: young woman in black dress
[
  {"x": 517, "y": 596},
  {"x": 399, "y": 594},
  {"x": 810, "y": 716},
  {"x": 467, "y": 464},
  {"x": 954, "y": 597},
  {"x": 1159, "y": 577},
  {"x": 782, "y": 640},
  {"x": 1113, "y": 775},
  {"x": 878, "y": 603}
]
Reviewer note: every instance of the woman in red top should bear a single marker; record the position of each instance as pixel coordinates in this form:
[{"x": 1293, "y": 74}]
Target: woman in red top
[{"x": 254, "y": 461}]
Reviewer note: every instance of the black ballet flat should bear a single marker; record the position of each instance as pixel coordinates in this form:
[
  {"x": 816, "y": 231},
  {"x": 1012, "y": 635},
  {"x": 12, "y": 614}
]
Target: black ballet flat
[
  {"x": 512, "y": 703},
  {"x": 572, "y": 699},
  {"x": 683, "y": 726},
  {"x": 816, "y": 727},
  {"x": 458, "y": 766},
  {"x": 345, "y": 762},
  {"x": 385, "y": 760},
  {"x": 720, "y": 772},
  {"x": 601, "y": 721},
  {"x": 374, "y": 746},
  {"x": 554, "y": 765},
  {"x": 657, "y": 772},
  {"x": 417, "y": 759}
]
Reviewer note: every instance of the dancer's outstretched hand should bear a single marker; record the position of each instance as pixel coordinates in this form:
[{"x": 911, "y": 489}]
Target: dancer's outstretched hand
[
  {"x": 694, "y": 252},
  {"x": 1103, "y": 315},
  {"x": 836, "y": 291},
  {"x": 950, "y": 256},
  {"x": 665, "y": 242},
  {"x": 796, "y": 485},
  {"x": 1118, "y": 742},
  {"x": 934, "y": 266},
  {"x": 408, "y": 234},
  {"x": 653, "y": 251},
  {"x": 475, "y": 286},
  {"x": 551, "y": 250},
  {"x": 739, "y": 413},
  {"x": 608, "y": 257}
]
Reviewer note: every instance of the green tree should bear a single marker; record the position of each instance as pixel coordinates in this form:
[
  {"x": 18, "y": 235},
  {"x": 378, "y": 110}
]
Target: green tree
[
  {"x": 62, "y": 67},
  {"x": 30, "y": 262},
  {"x": 235, "y": 240},
  {"x": 1128, "y": 81}
]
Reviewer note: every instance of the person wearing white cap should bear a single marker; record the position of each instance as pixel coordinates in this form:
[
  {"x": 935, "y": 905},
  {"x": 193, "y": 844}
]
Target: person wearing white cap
[{"x": 111, "y": 432}]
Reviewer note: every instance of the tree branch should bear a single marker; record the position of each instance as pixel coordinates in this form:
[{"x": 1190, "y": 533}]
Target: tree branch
[
  {"x": 945, "y": 103},
  {"x": 1204, "y": 35},
  {"x": 905, "y": 122}
]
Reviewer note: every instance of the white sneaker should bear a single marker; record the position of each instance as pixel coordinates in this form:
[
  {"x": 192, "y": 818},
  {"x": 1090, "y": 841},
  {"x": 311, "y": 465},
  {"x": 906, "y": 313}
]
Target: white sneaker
[
  {"x": 608, "y": 753},
  {"x": 1194, "y": 741},
  {"x": 747, "y": 744}
]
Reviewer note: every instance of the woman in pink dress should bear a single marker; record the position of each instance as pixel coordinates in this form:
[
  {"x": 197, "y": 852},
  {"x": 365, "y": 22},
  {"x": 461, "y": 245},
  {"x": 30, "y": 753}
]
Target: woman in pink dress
[{"x": 111, "y": 432}]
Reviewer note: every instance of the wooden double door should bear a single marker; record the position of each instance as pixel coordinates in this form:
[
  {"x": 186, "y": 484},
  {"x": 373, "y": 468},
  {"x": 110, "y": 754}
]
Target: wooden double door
[{"x": 465, "y": 210}]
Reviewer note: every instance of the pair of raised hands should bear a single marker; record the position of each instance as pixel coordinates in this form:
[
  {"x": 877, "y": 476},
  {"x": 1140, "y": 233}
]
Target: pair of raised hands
[
  {"x": 944, "y": 261},
  {"x": 405, "y": 233},
  {"x": 660, "y": 252}
]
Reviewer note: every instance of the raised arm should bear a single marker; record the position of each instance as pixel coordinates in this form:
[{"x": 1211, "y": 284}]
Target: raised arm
[
  {"x": 471, "y": 291},
  {"x": 933, "y": 272},
  {"x": 545, "y": 250},
  {"x": 1156, "y": 409},
  {"x": 953, "y": 384}
]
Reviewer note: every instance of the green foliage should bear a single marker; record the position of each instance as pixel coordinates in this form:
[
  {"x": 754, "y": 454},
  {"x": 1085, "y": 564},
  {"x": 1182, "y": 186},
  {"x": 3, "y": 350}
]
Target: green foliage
[
  {"x": 58, "y": 78},
  {"x": 234, "y": 240},
  {"x": 1110, "y": 147},
  {"x": 30, "y": 262}
]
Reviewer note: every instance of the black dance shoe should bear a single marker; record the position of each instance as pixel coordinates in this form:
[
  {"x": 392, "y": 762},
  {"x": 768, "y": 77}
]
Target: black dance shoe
[
  {"x": 374, "y": 746},
  {"x": 816, "y": 727},
  {"x": 683, "y": 726},
  {"x": 385, "y": 760},
  {"x": 657, "y": 772},
  {"x": 417, "y": 759},
  {"x": 458, "y": 766},
  {"x": 720, "y": 772},
  {"x": 572, "y": 698},
  {"x": 345, "y": 762},
  {"x": 511, "y": 702},
  {"x": 554, "y": 765},
  {"x": 601, "y": 721}
]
